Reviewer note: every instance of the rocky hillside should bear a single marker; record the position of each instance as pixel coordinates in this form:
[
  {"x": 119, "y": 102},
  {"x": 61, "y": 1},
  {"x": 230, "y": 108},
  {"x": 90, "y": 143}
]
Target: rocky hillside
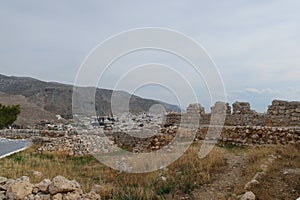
[
  {"x": 30, "y": 113},
  {"x": 56, "y": 98}
]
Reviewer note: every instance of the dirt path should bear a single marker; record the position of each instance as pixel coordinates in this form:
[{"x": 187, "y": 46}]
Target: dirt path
[{"x": 223, "y": 182}]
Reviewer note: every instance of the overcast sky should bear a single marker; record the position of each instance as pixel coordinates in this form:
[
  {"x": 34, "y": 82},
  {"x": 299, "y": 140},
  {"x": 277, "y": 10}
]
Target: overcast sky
[{"x": 255, "y": 44}]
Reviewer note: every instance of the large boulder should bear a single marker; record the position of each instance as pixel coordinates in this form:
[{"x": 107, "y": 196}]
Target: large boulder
[
  {"x": 19, "y": 189},
  {"x": 62, "y": 185}
]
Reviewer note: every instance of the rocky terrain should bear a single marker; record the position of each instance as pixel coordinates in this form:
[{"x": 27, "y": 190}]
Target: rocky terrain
[{"x": 58, "y": 188}]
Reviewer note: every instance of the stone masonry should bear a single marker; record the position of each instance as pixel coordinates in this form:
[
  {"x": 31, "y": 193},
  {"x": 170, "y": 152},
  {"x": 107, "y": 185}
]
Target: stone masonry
[{"x": 244, "y": 126}]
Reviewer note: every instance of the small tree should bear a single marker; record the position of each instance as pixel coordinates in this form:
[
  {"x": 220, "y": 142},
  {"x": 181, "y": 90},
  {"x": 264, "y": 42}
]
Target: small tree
[{"x": 8, "y": 115}]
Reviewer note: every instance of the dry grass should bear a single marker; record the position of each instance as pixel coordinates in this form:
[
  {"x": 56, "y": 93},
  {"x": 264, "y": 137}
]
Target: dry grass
[
  {"x": 182, "y": 176},
  {"x": 255, "y": 158},
  {"x": 274, "y": 184}
]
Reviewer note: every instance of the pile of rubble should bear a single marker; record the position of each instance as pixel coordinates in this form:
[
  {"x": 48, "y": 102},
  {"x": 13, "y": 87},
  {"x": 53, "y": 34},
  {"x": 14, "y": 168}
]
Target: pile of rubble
[
  {"x": 137, "y": 144},
  {"x": 58, "y": 189},
  {"x": 78, "y": 144},
  {"x": 84, "y": 144}
]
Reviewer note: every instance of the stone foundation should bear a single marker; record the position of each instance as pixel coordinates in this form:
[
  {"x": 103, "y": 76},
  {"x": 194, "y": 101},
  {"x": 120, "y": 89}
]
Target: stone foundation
[{"x": 253, "y": 135}]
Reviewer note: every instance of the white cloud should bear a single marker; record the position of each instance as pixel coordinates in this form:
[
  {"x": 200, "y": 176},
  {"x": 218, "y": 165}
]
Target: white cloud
[{"x": 262, "y": 91}]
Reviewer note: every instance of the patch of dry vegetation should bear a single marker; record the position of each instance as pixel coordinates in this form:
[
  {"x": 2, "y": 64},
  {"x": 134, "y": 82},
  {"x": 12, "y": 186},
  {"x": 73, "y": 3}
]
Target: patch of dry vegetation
[
  {"x": 255, "y": 157},
  {"x": 181, "y": 177},
  {"x": 282, "y": 180},
  {"x": 275, "y": 184}
]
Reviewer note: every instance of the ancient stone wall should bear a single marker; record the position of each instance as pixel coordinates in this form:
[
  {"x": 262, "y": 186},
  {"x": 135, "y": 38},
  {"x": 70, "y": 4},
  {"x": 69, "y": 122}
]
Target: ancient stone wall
[
  {"x": 283, "y": 113},
  {"x": 248, "y": 135},
  {"x": 279, "y": 114},
  {"x": 193, "y": 116},
  {"x": 243, "y": 115},
  {"x": 280, "y": 125},
  {"x": 29, "y": 133}
]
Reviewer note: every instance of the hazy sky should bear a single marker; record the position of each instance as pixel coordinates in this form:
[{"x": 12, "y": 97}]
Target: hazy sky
[{"x": 255, "y": 44}]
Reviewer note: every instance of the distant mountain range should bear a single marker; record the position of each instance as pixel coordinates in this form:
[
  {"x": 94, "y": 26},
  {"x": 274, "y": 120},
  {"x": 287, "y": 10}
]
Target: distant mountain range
[{"x": 48, "y": 99}]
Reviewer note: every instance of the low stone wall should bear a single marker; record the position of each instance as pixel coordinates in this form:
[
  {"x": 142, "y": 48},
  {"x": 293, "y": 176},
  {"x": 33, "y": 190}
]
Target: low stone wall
[
  {"x": 283, "y": 113},
  {"x": 19, "y": 133},
  {"x": 250, "y": 135},
  {"x": 29, "y": 133}
]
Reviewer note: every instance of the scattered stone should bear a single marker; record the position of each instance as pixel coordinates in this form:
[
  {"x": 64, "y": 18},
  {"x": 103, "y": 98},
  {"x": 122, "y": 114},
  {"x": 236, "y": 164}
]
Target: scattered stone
[
  {"x": 3, "y": 180},
  {"x": 295, "y": 171},
  {"x": 59, "y": 188},
  {"x": 2, "y": 196},
  {"x": 42, "y": 197},
  {"x": 61, "y": 184},
  {"x": 73, "y": 195},
  {"x": 43, "y": 186},
  {"x": 92, "y": 196},
  {"x": 248, "y": 196},
  {"x": 36, "y": 174},
  {"x": 102, "y": 190},
  {"x": 250, "y": 184},
  {"x": 57, "y": 196},
  {"x": 19, "y": 189}
]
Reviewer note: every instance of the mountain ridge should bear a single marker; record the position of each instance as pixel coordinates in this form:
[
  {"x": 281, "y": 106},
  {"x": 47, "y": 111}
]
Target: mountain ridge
[{"x": 56, "y": 98}]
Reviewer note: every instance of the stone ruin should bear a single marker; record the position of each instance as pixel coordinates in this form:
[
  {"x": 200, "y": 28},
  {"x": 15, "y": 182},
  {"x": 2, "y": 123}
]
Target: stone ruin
[
  {"x": 279, "y": 113},
  {"x": 243, "y": 115},
  {"x": 283, "y": 113},
  {"x": 279, "y": 125},
  {"x": 194, "y": 114},
  {"x": 240, "y": 125}
]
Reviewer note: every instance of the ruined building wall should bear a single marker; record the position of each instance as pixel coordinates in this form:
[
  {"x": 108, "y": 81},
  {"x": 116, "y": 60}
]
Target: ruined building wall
[
  {"x": 243, "y": 115},
  {"x": 250, "y": 135},
  {"x": 280, "y": 125},
  {"x": 279, "y": 113},
  {"x": 283, "y": 113}
]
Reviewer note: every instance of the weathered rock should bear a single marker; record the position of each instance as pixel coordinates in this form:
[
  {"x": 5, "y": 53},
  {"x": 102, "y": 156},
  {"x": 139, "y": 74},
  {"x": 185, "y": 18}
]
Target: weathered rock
[
  {"x": 42, "y": 197},
  {"x": 61, "y": 184},
  {"x": 43, "y": 186},
  {"x": 251, "y": 184},
  {"x": 248, "y": 196},
  {"x": 92, "y": 196},
  {"x": 295, "y": 172},
  {"x": 36, "y": 174},
  {"x": 76, "y": 194},
  {"x": 57, "y": 196},
  {"x": 3, "y": 180},
  {"x": 35, "y": 190},
  {"x": 102, "y": 190},
  {"x": 2, "y": 196},
  {"x": 7, "y": 183},
  {"x": 19, "y": 189}
]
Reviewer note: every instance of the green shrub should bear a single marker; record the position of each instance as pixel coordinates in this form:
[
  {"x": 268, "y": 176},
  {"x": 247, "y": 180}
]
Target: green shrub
[{"x": 8, "y": 115}]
